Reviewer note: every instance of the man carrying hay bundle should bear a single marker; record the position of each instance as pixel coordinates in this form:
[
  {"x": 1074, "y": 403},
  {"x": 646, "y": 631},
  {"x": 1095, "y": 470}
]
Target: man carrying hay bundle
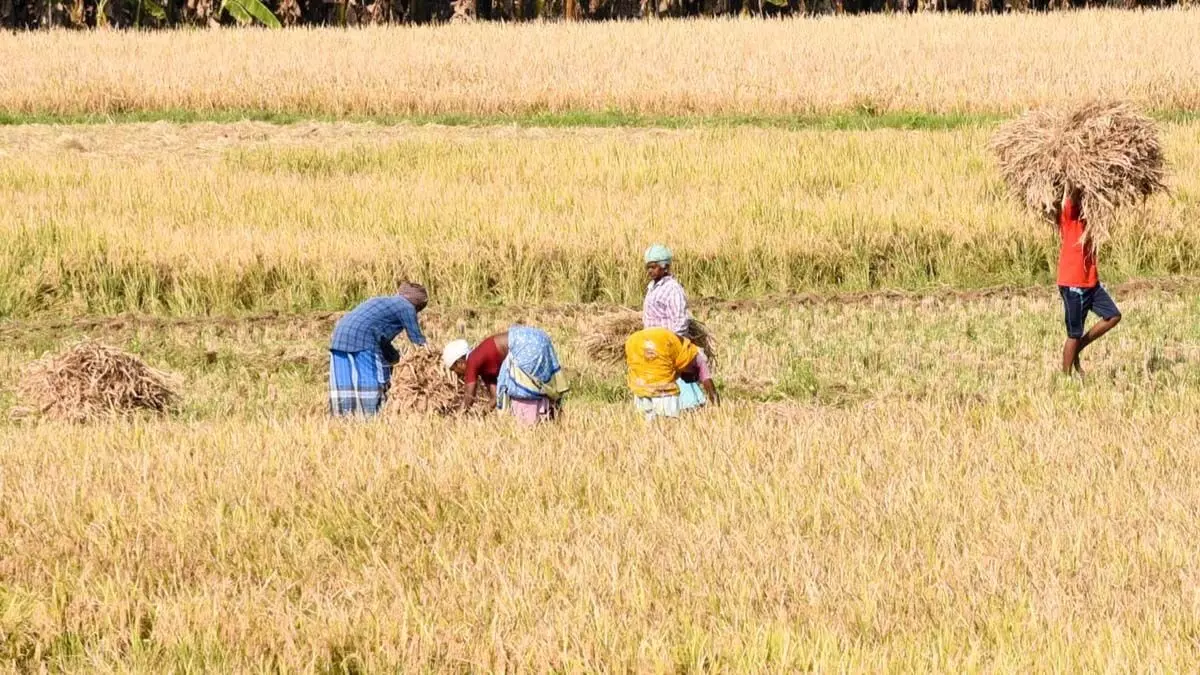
[
  {"x": 658, "y": 360},
  {"x": 361, "y": 353},
  {"x": 1080, "y": 167},
  {"x": 666, "y": 306},
  {"x": 1079, "y": 284},
  {"x": 519, "y": 369}
]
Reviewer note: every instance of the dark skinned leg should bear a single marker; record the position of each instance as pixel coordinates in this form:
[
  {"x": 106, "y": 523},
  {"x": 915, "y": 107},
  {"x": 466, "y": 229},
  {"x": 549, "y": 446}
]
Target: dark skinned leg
[
  {"x": 1095, "y": 333},
  {"x": 1070, "y": 357},
  {"x": 1098, "y": 330}
]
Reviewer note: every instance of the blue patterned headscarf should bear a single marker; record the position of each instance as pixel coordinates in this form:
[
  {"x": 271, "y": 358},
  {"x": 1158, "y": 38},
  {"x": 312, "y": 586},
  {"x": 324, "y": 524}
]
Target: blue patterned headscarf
[{"x": 658, "y": 254}]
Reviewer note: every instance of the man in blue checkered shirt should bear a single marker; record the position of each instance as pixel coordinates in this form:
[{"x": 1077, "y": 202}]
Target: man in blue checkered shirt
[{"x": 361, "y": 353}]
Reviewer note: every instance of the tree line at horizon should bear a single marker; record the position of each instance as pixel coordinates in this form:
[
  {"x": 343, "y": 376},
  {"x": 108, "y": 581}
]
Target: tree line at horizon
[{"x": 151, "y": 14}]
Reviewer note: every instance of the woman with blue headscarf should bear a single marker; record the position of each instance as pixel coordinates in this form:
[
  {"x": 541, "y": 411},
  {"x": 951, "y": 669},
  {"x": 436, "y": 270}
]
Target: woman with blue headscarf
[
  {"x": 522, "y": 366},
  {"x": 666, "y": 307}
]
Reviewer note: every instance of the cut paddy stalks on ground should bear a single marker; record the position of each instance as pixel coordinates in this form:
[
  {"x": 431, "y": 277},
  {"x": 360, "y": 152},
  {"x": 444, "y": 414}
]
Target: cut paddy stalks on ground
[
  {"x": 1109, "y": 150},
  {"x": 420, "y": 384},
  {"x": 90, "y": 380},
  {"x": 604, "y": 338}
]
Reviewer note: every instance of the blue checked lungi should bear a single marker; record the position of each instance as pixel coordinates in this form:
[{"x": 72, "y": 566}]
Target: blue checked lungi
[
  {"x": 358, "y": 383},
  {"x": 533, "y": 352}
]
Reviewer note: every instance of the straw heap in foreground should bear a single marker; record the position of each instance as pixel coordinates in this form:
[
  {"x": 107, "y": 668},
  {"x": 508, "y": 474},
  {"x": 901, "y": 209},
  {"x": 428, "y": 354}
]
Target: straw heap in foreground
[{"x": 90, "y": 380}]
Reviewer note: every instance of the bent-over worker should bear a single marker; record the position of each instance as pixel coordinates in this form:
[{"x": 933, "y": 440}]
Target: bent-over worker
[
  {"x": 361, "y": 353},
  {"x": 657, "y": 360},
  {"x": 518, "y": 368}
]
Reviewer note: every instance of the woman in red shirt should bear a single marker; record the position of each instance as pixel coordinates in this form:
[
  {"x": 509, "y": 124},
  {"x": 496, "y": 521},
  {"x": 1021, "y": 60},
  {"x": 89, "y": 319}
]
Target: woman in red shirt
[
  {"x": 1079, "y": 283},
  {"x": 519, "y": 368},
  {"x": 481, "y": 364}
]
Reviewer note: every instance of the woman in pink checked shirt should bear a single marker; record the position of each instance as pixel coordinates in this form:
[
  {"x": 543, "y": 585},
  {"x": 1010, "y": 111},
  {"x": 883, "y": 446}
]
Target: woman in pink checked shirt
[{"x": 666, "y": 306}]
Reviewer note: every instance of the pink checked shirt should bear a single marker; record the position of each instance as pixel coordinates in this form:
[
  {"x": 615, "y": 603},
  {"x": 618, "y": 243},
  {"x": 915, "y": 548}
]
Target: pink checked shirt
[{"x": 665, "y": 306}]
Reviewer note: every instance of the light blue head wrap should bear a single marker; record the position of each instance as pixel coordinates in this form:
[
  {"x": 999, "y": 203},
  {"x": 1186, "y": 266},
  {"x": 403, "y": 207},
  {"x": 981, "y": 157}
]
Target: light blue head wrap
[{"x": 658, "y": 254}]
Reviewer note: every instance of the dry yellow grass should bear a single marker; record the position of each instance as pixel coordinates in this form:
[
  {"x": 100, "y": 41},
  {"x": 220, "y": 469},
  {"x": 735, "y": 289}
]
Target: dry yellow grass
[
  {"x": 191, "y": 219},
  {"x": 926, "y": 63},
  {"x": 965, "y": 512},
  {"x": 896, "y": 485},
  {"x": 906, "y": 537}
]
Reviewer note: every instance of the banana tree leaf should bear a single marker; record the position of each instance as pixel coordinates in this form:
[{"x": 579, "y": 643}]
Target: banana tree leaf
[
  {"x": 154, "y": 9},
  {"x": 245, "y": 11}
]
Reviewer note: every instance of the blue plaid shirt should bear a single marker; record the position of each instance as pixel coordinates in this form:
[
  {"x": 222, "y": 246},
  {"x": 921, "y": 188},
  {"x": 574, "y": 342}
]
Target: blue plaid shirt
[{"x": 374, "y": 324}]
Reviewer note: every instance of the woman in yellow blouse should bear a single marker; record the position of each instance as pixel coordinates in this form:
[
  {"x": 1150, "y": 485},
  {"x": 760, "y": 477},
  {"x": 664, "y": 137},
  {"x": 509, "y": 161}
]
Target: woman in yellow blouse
[{"x": 656, "y": 358}]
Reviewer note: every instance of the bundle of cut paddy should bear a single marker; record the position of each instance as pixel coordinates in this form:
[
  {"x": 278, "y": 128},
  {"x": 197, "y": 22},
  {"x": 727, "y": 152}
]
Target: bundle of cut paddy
[
  {"x": 420, "y": 383},
  {"x": 604, "y": 339},
  {"x": 1108, "y": 150},
  {"x": 89, "y": 380}
]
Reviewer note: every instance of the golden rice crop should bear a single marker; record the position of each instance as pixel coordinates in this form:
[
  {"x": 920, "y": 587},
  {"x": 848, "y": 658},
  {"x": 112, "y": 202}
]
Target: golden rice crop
[
  {"x": 197, "y": 219},
  {"x": 922, "y": 494},
  {"x": 924, "y": 63}
]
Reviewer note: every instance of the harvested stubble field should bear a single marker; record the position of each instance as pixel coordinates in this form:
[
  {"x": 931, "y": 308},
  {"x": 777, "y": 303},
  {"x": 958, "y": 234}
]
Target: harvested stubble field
[
  {"x": 924, "y": 63},
  {"x": 912, "y": 490},
  {"x": 248, "y": 217}
]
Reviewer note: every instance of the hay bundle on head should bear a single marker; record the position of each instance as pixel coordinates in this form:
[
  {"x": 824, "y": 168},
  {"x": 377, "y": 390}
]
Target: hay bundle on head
[
  {"x": 421, "y": 384},
  {"x": 604, "y": 339},
  {"x": 1108, "y": 150},
  {"x": 89, "y": 380}
]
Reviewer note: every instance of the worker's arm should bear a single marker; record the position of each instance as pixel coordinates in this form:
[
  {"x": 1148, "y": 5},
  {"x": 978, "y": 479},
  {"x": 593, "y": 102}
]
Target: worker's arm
[
  {"x": 1068, "y": 193},
  {"x": 468, "y": 396},
  {"x": 704, "y": 374},
  {"x": 412, "y": 327}
]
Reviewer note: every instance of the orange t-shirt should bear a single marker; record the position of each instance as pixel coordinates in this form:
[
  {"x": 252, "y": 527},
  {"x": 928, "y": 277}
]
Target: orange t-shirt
[{"x": 1076, "y": 261}]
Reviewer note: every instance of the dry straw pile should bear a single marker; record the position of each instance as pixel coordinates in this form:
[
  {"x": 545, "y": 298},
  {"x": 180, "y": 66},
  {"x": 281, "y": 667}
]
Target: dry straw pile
[
  {"x": 1108, "y": 150},
  {"x": 90, "y": 380},
  {"x": 421, "y": 384},
  {"x": 604, "y": 339}
]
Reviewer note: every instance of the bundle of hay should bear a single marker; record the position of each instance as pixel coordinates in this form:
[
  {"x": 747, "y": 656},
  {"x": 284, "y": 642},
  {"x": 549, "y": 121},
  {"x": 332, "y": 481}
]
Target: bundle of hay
[
  {"x": 1109, "y": 150},
  {"x": 604, "y": 339},
  {"x": 89, "y": 380},
  {"x": 420, "y": 383}
]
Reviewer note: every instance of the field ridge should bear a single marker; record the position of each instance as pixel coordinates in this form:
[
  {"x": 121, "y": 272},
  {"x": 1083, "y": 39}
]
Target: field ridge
[
  {"x": 849, "y": 120},
  {"x": 1133, "y": 288}
]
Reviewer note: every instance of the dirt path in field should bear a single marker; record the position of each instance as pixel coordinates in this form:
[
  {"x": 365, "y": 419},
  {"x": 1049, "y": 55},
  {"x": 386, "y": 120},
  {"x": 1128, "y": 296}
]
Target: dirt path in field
[
  {"x": 202, "y": 141},
  {"x": 449, "y": 316}
]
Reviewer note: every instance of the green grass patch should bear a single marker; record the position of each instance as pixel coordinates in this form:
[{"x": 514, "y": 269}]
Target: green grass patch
[
  {"x": 863, "y": 119},
  {"x": 849, "y": 120}
]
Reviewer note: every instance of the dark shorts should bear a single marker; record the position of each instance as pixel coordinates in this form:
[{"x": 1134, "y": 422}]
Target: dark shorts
[{"x": 1077, "y": 302}]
